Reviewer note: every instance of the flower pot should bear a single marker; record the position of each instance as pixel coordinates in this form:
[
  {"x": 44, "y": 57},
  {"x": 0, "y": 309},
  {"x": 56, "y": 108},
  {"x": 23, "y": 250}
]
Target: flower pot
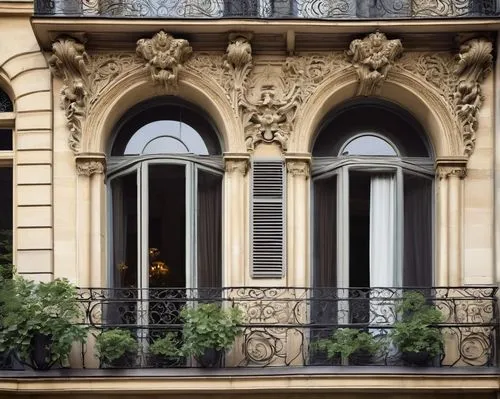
[
  {"x": 210, "y": 358},
  {"x": 420, "y": 359},
  {"x": 40, "y": 355}
]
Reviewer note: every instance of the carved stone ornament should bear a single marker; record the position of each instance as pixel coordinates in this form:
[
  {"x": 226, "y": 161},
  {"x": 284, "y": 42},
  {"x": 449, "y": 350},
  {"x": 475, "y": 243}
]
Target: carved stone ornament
[
  {"x": 240, "y": 166},
  {"x": 474, "y": 62},
  {"x": 298, "y": 168},
  {"x": 445, "y": 172},
  {"x": 90, "y": 165},
  {"x": 238, "y": 64},
  {"x": 457, "y": 80},
  {"x": 164, "y": 56},
  {"x": 373, "y": 57},
  {"x": 70, "y": 63}
]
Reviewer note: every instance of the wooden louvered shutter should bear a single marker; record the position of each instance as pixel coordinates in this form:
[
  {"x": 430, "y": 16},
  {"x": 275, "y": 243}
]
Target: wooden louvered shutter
[{"x": 268, "y": 218}]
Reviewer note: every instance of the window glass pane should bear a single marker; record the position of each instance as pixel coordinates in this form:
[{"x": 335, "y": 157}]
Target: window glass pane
[
  {"x": 167, "y": 226},
  {"x": 5, "y": 102},
  {"x": 5, "y": 139},
  {"x": 124, "y": 201},
  {"x": 167, "y": 137},
  {"x": 209, "y": 226},
  {"x": 325, "y": 232},
  {"x": 417, "y": 250},
  {"x": 369, "y": 145},
  {"x": 6, "y": 217}
]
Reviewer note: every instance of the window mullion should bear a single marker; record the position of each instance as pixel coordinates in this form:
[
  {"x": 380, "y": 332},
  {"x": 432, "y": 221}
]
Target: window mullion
[
  {"x": 399, "y": 228},
  {"x": 190, "y": 239}
]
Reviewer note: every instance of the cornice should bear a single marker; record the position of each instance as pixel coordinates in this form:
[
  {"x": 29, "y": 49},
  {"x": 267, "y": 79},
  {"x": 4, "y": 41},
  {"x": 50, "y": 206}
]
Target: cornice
[{"x": 115, "y": 33}]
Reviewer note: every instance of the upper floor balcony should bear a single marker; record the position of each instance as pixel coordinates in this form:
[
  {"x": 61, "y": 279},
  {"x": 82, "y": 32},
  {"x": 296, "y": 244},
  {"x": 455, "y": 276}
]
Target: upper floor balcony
[{"x": 270, "y": 9}]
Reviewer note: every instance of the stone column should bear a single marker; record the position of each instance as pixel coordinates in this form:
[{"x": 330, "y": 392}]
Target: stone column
[
  {"x": 297, "y": 222},
  {"x": 90, "y": 169},
  {"x": 450, "y": 173},
  {"x": 236, "y": 257}
]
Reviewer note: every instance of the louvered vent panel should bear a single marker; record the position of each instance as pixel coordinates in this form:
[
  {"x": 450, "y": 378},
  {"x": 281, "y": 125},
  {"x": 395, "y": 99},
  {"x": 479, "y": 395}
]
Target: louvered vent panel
[{"x": 268, "y": 230}]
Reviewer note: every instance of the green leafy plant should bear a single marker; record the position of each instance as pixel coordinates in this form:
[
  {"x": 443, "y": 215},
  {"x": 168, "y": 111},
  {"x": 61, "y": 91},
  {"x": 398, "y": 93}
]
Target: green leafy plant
[
  {"x": 111, "y": 345},
  {"x": 346, "y": 342},
  {"x": 168, "y": 346},
  {"x": 209, "y": 326},
  {"x": 31, "y": 310},
  {"x": 416, "y": 332}
]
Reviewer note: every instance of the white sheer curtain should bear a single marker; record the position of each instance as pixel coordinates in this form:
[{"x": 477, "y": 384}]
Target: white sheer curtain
[{"x": 384, "y": 272}]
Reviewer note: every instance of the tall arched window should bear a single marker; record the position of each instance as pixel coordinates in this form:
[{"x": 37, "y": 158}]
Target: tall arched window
[
  {"x": 373, "y": 199},
  {"x": 165, "y": 190}
]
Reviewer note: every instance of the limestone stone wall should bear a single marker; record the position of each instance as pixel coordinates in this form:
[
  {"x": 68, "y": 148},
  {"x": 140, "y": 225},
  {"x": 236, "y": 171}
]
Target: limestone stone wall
[{"x": 24, "y": 74}]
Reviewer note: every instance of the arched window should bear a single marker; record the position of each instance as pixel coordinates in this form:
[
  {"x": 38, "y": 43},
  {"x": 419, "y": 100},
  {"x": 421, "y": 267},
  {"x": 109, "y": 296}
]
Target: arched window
[
  {"x": 373, "y": 195},
  {"x": 165, "y": 186}
]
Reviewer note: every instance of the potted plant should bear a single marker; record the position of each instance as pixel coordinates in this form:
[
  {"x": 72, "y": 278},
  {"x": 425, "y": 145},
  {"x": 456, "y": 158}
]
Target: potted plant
[
  {"x": 208, "y": 330},
  {"x": 40, "y": 321},
  {"x": 116, "y": 348},
  {"x": 352, "y": 345},
  {"x": 416, "y": 335},
  {"x": 165, "y": 350}
]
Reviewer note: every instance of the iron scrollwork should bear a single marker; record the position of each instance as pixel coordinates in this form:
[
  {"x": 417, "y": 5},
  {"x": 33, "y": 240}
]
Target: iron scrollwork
[
  {"x": 307, "y": 9},
  {"x": 281, "y": 323}
]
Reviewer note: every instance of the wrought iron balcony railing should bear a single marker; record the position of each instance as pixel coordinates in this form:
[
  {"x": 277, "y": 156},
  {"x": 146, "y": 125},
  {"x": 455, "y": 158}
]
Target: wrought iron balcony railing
[
  {"x": 281, "y": 324},
  {"x": 268, "y": 9}
]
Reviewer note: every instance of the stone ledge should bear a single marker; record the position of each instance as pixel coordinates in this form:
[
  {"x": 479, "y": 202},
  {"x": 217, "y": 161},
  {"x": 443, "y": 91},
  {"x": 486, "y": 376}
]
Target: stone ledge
[{"x": 248, "y": 380}]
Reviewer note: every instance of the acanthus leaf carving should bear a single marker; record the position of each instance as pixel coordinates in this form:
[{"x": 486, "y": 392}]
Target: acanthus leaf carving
[
  {"x": 373, "y": 57},
  {"x": 164, "y": 56},
  {"x": 70, "y": 63},
  {"x": 474, "y": 62}
]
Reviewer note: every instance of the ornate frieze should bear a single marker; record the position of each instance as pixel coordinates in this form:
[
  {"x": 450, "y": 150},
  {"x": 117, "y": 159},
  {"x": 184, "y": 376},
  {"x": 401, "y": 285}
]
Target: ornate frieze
[
  {"x": 373, "y": 57},
  {"x": 164, "y": 56},
  {"x": 268, "y": 97},
  {"x": 70, "y": 63},
  {"x": 474, "y": 62},
  {"x": 90, "y": 164}
]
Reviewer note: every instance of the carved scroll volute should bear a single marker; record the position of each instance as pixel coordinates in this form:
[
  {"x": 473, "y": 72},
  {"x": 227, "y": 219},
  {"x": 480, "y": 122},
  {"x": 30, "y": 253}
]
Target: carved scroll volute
[
  {"x": 373, "y": 57},
  {"x": 238, "y": 64},
  {"x": 164, "y": 56},
  {"x": 474, "y": 62},
  {"x": 70, "y": 63}
]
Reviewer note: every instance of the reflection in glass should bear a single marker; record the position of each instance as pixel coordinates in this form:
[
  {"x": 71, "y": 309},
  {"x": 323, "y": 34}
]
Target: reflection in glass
[
  {"x": 368, "y": 145},
  {"x": 124, "y": 199},
  {"x": 209, "y": 226},
  {"x": 167, "y": 226},
  {"x": 166, "y": 137}
]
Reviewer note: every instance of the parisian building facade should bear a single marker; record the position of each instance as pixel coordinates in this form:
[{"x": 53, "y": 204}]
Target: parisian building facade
[{"x": 306, "y": 161}]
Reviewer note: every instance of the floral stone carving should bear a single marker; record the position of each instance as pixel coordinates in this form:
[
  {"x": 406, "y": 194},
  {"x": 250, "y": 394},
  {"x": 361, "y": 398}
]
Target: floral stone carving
[
  {"x": 373, "y": 57},
  {"x": 164, "y": 56},
  {"x": 70, "y": 62},
  {"x": 238, "y": 64},
  {"x": 474, "y": 62}
]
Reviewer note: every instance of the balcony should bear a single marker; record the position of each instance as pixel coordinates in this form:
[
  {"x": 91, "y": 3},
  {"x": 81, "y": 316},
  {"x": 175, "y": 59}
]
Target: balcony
[
  {"x": 269, "y": 9},
  {"x": 280, "y": 325}
]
